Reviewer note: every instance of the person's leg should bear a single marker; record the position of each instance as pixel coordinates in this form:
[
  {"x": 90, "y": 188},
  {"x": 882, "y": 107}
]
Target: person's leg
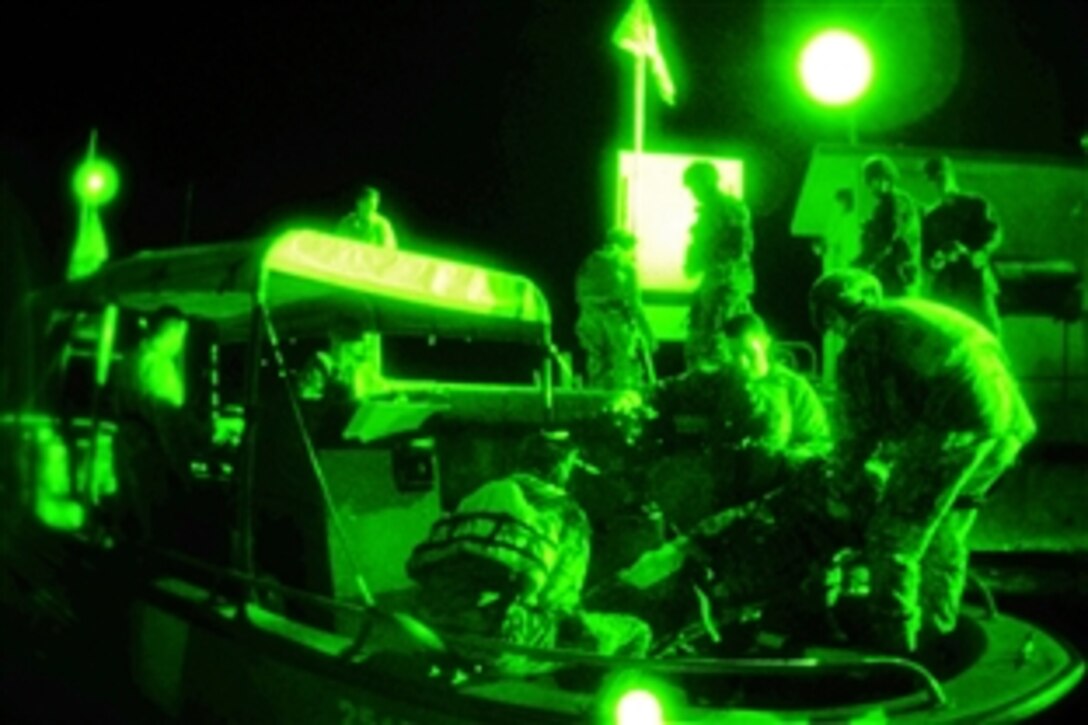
[
  {"x": 761, "y": 556},
  {"x": 732, "y": 302},
  {"x": 929, "y": 472},
  {"x": 990, "y": 316},
  {"x": 944, "y": 565},
  {"x": 589, "y": 333},
  {"x": 623, "y": 346},
  {"x": 714, "y": 303},
  {"x": 694, "y": 346},
  {"x": 944, "y": 574}
]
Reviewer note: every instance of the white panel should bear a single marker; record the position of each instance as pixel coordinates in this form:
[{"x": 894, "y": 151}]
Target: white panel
[{"x": 661, "y": 211}]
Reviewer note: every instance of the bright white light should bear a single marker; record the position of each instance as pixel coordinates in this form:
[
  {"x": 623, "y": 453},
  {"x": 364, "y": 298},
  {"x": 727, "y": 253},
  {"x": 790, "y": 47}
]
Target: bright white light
[
  {"x": 836, "y": 67},
  {"x": 652, "y": 190},
  {"x": 639, "y": 707}
]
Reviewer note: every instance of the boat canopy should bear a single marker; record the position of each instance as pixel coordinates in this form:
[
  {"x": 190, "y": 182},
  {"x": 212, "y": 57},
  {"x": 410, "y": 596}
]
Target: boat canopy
[{"x": 305, "y": 277}]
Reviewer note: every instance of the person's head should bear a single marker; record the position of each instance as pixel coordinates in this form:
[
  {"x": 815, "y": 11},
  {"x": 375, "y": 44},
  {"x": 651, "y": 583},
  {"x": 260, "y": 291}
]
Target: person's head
[
  {"x": 167, "y": 328},
  {"x": 879, "y": 174},
  {"x": 939, "y": 172},
  {"x": 620, "y": 239},
  {"x": 366, "y": 203},
  {"x": 748, "y": 345},
  {"x": 346, "y": 334},
  {"x": 701, "y": 178},
  {"x": 844, "y": 197},
  {"x": 549, "y": 455},
  {"x": 839, "y": 297}
]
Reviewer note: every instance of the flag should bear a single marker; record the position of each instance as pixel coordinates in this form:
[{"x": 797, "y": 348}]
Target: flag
[
  {"x": 91, "y": 249},
  {"x": 637, "y": 34}
]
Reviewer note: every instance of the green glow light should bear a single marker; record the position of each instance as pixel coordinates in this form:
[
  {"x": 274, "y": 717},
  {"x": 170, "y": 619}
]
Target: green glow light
[
  {"x": 836, "y": 67},
  {"x": 639, "y": 707},
  {"x": 96, "y": 182}
]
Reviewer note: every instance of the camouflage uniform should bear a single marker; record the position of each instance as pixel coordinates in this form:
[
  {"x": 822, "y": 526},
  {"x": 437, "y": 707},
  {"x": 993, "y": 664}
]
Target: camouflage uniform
[
  {"x": 703, "y": 448},
  {"x": 365, "y": 375},
  {"x": 891, "y": 243},
  {"x": 157, "y": 436},
  {"x": 958, "y": 226},
  {"x": 771, "y": 552},
  {"x": 375, "y": 230},
  {"x": 932, "y": 390},
  {"x": 799, "y": 423},
  {"x": 721, "y": 250},
  {"x": 528, "y": 546},
  {"x": 758, "y": 516},
  {"x": 769, "y": 548},
  {"x": 611, "y": 326}
]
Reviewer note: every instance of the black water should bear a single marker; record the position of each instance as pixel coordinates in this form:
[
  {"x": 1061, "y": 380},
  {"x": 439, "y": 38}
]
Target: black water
[{"x": 1050, "y": 590}]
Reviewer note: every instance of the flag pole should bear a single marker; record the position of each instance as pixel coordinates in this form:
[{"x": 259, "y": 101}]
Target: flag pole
[
  {"x": 639, "y": 143},
  {"x": 84, "y": 205},
  {"x": 92, "y": 147},
  {"x": 89, "y": 233}
]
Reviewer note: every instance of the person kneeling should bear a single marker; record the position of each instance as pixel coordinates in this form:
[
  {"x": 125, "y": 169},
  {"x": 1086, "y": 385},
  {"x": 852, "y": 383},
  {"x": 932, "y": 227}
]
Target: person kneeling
[{"x": 510, "y": 564}]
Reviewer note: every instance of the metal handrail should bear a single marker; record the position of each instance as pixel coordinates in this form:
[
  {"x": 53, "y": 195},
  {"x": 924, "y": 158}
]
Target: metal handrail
[
  {"x": 258, "y": 583},
  {"x": 315, "y": 465},
  {"x": 715, "y": 666}
]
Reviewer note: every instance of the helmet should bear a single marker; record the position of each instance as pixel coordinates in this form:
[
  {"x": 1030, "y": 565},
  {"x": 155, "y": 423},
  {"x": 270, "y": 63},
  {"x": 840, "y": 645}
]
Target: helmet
[
  {"x": 701, "y": 174},
  {"x": 879, "y": 166},
  {"x": 621, "y": 238},
  {"x": 845, "y": 291},
  {"x": 938, "y": 169},
  {"x": 547, "y": 453}
]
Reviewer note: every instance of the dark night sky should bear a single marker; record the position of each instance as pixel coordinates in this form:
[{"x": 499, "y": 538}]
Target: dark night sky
[{"x": 488, "y": 123}]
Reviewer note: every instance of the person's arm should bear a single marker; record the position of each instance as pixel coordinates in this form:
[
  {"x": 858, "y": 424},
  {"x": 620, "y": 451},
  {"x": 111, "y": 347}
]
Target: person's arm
[
  {"x": 572, "y": 562},
  {"x": 314, "y": 376},
  {"x": 930, "y": 246},
  {"x": 633, "y": 295},
  {"x": 858, "y": 410},
  {"x": 748, "y": 237},
  {"x": 907, "y": 234},
  {"x": 645, "y": 329},
  {"x": 827, "y": 245},
  {"x": 869, "y": 243},
  {"x": 811, "y": 427},
  {"x": 183, "y": 436},
  {"x": 695, "y": 256},
  {"x": 344, "y": 226},
  {"x": 990, "y": 234},
  {"x": 389, "y": 237}
]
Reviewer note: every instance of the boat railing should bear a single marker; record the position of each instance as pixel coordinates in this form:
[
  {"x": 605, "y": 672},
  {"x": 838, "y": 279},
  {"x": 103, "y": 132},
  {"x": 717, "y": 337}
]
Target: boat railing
[
  {"x": 719, "y": 666},
  {"x": 989, "y": 603},
  {"x": 253, "y": 584}
]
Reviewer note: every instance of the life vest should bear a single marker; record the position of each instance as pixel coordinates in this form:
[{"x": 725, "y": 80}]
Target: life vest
[{"x": 500, "y": 534}]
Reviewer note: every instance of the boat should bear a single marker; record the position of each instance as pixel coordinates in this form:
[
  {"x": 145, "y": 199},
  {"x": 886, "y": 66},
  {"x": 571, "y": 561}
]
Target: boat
[{"x": 302, "y": 613}]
